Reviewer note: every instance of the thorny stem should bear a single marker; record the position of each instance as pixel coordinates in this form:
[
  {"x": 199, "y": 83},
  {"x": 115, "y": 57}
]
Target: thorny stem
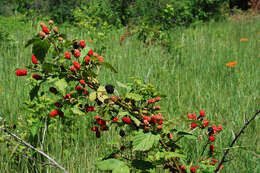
[
  {"x": 54, "y": 163},
  {"x": 233, "y": 142}
]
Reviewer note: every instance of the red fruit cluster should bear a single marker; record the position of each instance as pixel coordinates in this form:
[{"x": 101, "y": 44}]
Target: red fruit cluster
[
  {"x": 192, "y": 169},
  {"x": 21, "y": 72},
  {"x": 89, "y": 108},
  {"x": 126, "y": 120},
  {"x": 102, "y": 125},
  {"x": 90, "y": 53},
  {"x": 34, "y": 59},
  {"x": 200, "y": 117},
  {"x": 153, "y": 100}
]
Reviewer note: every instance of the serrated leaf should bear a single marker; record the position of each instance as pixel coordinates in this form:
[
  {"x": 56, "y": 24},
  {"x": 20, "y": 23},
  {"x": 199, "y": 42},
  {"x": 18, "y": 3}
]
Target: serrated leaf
[
  {"x": 92, "y": 96},
  {"x": 144, "y": 141},
  {"x": 40, "y": 49},
  {"x": 134, "y": 96},
  {"x": 121, "y": 169},
  {"x": 61, "y": 84},
  {"x": 109, "y": 164},
  {"x": 109, "y": 66},
  {"x": 31, "y": 41},
  {"x": 76, "y": 111},
  {"x": 122, "y": 114}
]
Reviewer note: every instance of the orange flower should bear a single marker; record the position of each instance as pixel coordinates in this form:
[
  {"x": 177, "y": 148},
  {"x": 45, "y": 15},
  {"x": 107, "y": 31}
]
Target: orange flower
[
  {"x": 231, "y": 64},
  {"x": 243, "y": 39}
]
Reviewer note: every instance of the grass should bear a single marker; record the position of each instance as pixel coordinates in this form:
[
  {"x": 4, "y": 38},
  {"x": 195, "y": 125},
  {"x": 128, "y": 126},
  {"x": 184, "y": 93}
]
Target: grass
[{"x": 193, "y": 78}]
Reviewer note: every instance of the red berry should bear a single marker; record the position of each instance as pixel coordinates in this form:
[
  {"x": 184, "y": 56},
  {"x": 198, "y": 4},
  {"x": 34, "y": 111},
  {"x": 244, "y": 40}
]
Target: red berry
[
  {"x": 76, "y": 53},
  {"x": 61, "y": 114},
  {"x": 202, "y": 113},
  {"x": 97, "y": 117},
  {"x": 160, "y": 122},
  {"x": 95, "y": 128},
  {"x": 159, "y": 127},
  {"x": 37, "y": 77},
  {"x": 214, "y": 161},
  {"x": 194, "y": 116},
  {"x": 95, "y": 54},
  {"x": 45, "y": 30},
  {"x": 170, "y": 136},
  {"x": 90, "y": 53},
  {"x": 67, "y": 55},
  {"x": 58, "y": 105},
  {"x": 103, "y": 128},
  {"x": 34, "y": 59},
  {"x": 219, "y": 129},
  {"x": 205, "y": 122},
  {"x": 82, "y": 82},
  {"x": 192, "y": 169},
  {"x": 183, "y": 168},
  {"x": 150, "y": 101},
  {"x": 76, "y": 65},
  {"x": 115, "y": 120},
  {"x": 157, "y": 99},
  {"x": 126, "y": 120},
  {"x": 193, "y": 125},
  {"x": 67, "y": 96},
  {"x": 87, "y": 59},
  {"x": 212, "y": 138},
  {"x": 82, "y": 43},
  {"x": 78, "y": 88},
  {"x": 215, "y": 129},
  {"x": 147, "y": 118},
  {"x": 73, "y": 69},
  {"x": 211, "y": 147},
  {"x": 85, "y": 91},
  {"x": 54, "y": 113},
  {"x": 21, "y": 72}
]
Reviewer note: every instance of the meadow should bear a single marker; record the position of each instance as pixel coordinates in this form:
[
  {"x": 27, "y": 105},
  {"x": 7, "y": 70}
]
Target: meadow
[{"x": 194, "y": 77}]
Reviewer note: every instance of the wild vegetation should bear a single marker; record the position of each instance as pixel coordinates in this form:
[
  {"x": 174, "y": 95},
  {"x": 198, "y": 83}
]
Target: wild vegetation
[{"x": 200, "y": 64}]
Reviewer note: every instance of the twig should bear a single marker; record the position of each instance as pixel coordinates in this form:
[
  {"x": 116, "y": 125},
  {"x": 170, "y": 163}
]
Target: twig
[
  {"x": 233, "y": 142},
  {"x": 54, "y": 163},
  {"x": 44, "y": 134}
]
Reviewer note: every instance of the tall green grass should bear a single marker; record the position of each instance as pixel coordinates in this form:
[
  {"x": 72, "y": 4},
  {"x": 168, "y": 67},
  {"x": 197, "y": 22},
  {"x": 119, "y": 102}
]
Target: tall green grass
[{"x": 193, "y": 78}]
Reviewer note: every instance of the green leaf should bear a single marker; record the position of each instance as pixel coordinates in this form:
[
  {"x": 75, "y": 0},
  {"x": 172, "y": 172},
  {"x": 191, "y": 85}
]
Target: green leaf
[
  {"x": 186, "y": 134},
  {"x": 76, "y": 111},
  {"x": 144, "y": 141},
  {"x": 121, "y": 169},
  {"x": 136, "y": 121},
  {"x": 143, "y": 165},
  {"x": 49, "y": 68},
  {"x": 40, "y": 49},
  {"x": 92, "y": 96},
  {"x": 134, "y": 96},
  {"x": 109, "y": 164},
  {"x": 31, "y": 41},
  {"x": 61, "y": 84},
  {"x": 109, "y": 66},
  {"x": 101, "y": 89},
  {"x": 34, "y": 92}
]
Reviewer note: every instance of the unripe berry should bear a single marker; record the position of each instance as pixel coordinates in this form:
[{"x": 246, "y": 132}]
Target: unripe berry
[
  {"x": 114, "y": 120},
  {"x": 51, "y": 22},
  {"x": 42, "y": 34},
  {"x": 97, "y": 117},
  {"x": 67, "y": 96},
  {"x": 157, "y": 99},
  {"x": 159, "y": 127},
  {"x": 156, "y": 108},
  {"x": 219, "y": 129},
  {"x": 100, "y": 59},
  {"x": 193, "y": 125},
  {"x": 55, "y": 29},
  {"x": 73, "y": 69}
]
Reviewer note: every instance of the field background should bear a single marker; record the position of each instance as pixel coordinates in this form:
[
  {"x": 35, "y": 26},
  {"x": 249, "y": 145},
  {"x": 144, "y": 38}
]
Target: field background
[{"x": 194, "y": 77}]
